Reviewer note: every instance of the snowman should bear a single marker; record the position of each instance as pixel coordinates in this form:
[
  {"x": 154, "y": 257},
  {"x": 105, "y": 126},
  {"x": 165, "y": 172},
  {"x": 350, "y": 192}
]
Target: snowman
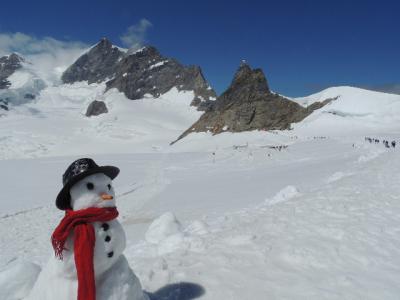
[{"x": 89, "y": 242}]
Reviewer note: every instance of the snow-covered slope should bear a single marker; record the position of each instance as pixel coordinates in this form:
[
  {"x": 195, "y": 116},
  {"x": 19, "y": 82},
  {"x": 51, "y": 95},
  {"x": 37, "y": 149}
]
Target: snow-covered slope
[
  {"x": 317, "y": 220},
  {"x": 25, "y": 87},
  {"x": 55, "y": 123},
  {"x": 353, "y": 110}
]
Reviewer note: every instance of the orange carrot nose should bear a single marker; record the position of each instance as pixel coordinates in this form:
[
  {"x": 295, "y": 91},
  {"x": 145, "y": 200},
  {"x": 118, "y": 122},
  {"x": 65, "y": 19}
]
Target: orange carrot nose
[{"x": 105, "y": 196}]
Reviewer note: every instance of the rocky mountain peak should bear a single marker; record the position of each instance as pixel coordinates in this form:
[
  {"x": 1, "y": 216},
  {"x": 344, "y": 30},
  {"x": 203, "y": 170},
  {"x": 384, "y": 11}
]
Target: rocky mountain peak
[
  {"x": 104, "y": 43},
  {"x": 8, "y": 65},
  {"x": 248, "y": 104},
  {"x": 138, "y": 72},
  {"x": 250, "y": 79},
  {"x": 15, "y": 59},
  {"x": 243, "y": 70},
  {"x": 96, "y": 65},
  {"x": 247, "y": 84}
]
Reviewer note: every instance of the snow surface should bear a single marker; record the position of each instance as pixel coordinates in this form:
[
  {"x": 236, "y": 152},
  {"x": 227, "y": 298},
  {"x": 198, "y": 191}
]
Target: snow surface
[
  {"x": 221, "y": 217},
  {"x": 134, "y": 50},
  {"x": 355, "y": 111},
  {"x": 162, "y": 228},
  {"x": 17, "y": 279},
  {"x": 131, "y": 126},
  {"x": 159, "y": 64},
  {"x": 25, "y": 86}
]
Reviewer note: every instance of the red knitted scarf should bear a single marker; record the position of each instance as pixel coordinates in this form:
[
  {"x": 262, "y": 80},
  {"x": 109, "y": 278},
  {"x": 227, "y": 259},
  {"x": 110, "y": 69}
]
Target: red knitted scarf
[{"x": 84, "y": 240}]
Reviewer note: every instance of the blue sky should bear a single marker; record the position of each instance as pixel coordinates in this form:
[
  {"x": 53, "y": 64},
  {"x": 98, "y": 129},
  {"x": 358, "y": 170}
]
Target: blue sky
[{"x": 302, "y": 46}]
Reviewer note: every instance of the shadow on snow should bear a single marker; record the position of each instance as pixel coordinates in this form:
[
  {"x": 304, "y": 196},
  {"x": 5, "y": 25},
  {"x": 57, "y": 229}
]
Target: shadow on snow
[{"x": 178, "y": 291}]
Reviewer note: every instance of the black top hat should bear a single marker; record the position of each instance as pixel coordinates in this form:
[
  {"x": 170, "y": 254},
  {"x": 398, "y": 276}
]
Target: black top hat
[{"x": 78, "y": 170}]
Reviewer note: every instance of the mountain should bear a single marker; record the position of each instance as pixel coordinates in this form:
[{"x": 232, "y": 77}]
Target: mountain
[
  {"x": 139, "y": 73},
  {"x": 354, "y": 110},
  {"x": 96, "y": 65},
  {"x": 19, "y": 82},
  {"x": 8, "y": 65},
  {"x": 47, "y": 118},
  {"x": 248, "y": 104}
]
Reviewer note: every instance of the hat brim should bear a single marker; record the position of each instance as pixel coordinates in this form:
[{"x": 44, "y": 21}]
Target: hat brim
[{"x": 63, "y": 197}]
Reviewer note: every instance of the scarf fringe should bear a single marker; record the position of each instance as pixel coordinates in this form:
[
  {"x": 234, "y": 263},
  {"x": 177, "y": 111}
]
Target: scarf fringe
[{"x": 58, "y": 247}]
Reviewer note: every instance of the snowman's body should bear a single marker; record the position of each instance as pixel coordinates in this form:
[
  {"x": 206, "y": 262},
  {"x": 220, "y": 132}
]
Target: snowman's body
[
  {"x": 114, "y": 278},
  {"x": 110, "y": 243}
]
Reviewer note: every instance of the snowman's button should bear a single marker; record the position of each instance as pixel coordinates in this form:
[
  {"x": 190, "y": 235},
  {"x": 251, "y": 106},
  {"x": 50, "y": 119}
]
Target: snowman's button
[
  {"x": 110, "y": 254},
  {"x": 108, "y": 238},
  {"x": 105, "y": 226}
]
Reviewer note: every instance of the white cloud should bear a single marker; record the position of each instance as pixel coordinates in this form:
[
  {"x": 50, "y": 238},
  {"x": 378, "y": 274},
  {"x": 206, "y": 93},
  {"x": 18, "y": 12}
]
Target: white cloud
[
  {"x": 49, "y": 56},
  {"x": 135, "y": 35}
]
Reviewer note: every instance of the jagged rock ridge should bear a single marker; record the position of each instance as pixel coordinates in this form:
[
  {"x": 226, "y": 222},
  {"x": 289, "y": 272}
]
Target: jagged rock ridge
[
  {"x": 96, "y": 65},
  {"x": 248, "y": 104},
  {"x": 8, "y": 65},
  {"x": 140, "y": 72}
]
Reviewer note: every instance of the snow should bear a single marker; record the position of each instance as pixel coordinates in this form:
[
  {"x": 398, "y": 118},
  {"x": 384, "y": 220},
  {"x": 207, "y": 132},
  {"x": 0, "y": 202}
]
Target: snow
[
  {"x": 283, "y": 195},
  {"x": 157, "y": 122},
  {"x": 124, "y": 50},
  {"x": 19, "y": 78},
  {"x": 364, "y": 111},
  {"x": 159, "y": 64},
  {"x": 25, "y": 85},
  {"x": 163, "y": 227},
  {"x": 121, "y": 284},
  {"x": 17, "y": 279},
  {"x": 337, "y": 176},
  {"x": 134, "y": 50},
  {"x": 118, "y": 282},
  {"x": 228, "y": 215}
]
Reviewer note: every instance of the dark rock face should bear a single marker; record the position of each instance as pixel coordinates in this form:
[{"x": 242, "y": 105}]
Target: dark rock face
[
  {"x": 96, "y": 108},
  {"x": 29, "y": 96},
  {"x": 8, "y": 65},
  {"x": 137, "y": 73},
  {"x": 148, "y": 72},
  {"x": 318, "y": 105},
  {"x": 96, "y": 65},
  {"x": 248, "y": 104},
  {"x": 3, "y": 104}
]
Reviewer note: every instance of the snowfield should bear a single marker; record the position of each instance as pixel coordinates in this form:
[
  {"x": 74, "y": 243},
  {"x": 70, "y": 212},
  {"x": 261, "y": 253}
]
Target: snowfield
[
  {"x": 362, "y": 111},
  {"x": 214, "y": 217}
]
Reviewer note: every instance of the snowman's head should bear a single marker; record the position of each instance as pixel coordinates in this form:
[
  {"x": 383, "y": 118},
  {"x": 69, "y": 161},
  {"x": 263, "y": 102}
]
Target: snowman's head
[{"x": 95, "y": 190}]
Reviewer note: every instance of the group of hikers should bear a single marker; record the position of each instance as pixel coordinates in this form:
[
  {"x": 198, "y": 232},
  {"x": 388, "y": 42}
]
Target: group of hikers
[
  {"x": 386, "y": 143},
  {"x": 279, "y": 148}
]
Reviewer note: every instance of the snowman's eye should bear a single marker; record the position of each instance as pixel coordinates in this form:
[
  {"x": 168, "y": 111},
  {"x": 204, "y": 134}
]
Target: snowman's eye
[
  {"x": 109, "y": 187},
  {"x": 90, "y": 186}
]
